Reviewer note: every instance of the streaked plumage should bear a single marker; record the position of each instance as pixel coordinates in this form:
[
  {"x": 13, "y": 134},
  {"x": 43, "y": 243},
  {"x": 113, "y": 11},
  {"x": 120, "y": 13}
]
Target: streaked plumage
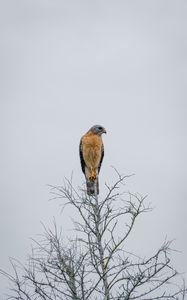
[{"x": 91, "y": 156}]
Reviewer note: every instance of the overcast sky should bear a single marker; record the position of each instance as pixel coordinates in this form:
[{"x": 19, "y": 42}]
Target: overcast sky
[{"x": 67, "y": 65}]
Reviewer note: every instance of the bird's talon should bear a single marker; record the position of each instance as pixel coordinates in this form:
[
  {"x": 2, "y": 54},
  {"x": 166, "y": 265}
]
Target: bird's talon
[{"x": 92, "y": 178}]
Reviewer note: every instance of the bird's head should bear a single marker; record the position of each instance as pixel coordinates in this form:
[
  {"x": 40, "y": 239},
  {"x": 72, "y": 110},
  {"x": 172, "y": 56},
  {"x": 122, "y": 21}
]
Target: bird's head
[{"x": 98, "y": 129}]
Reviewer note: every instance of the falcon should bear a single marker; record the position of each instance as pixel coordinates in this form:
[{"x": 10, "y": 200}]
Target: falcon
[{"x": 91, "y": 152}]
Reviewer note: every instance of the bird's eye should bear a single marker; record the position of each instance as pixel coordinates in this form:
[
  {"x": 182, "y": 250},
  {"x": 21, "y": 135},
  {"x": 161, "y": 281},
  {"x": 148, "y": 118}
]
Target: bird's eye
[{"x": 100, "y": 128}]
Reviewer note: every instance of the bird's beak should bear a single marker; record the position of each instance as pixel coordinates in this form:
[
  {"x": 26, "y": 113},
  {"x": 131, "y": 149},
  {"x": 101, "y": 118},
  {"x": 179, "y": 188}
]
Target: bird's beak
[{"x": 104, "y": 130}]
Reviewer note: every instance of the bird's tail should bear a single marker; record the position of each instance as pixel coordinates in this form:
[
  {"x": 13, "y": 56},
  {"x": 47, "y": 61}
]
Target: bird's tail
[{"x": 92, "y": 186}]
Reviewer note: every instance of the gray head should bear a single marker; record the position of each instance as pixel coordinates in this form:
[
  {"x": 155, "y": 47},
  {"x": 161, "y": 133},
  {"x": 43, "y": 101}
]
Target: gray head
[{"x": 98, "y": 129}]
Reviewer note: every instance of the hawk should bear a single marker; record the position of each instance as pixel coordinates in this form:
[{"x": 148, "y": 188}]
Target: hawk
[{"x": 91, "y": 151}]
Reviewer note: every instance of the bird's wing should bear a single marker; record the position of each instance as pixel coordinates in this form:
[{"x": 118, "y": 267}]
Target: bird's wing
[
  {"x": 81, "y": 157},
  {"x": 102, "y": 155}
]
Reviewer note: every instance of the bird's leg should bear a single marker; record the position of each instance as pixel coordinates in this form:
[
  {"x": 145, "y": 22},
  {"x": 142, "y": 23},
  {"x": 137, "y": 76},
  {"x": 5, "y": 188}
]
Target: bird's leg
[{"x": 93, "y": 175}]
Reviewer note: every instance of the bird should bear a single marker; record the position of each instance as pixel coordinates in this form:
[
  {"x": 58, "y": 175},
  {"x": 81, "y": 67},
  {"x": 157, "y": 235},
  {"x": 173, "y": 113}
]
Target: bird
[{"x": 91, "y": 151}]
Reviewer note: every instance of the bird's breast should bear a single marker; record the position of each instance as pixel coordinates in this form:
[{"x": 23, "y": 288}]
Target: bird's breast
[{"x": 92, "y": 149}]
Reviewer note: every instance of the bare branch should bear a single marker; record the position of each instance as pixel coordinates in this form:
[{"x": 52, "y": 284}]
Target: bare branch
[{"x": 94, "y": 264}]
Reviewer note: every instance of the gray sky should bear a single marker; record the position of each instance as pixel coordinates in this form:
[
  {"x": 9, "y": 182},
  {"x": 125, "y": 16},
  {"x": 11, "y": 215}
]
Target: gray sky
[{"x": 67, "y": 65}]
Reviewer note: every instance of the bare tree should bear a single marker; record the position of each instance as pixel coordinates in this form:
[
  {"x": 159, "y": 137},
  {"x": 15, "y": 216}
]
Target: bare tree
[{"x": 95, "y": 264}]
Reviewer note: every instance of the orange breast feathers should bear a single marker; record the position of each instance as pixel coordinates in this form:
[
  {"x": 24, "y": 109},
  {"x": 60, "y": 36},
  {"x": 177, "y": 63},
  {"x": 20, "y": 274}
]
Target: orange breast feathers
[{"x": 92, "y": 150}]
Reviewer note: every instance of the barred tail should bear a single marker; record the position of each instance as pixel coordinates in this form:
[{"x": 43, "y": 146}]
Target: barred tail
[{"x": 90, "y": 184}]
